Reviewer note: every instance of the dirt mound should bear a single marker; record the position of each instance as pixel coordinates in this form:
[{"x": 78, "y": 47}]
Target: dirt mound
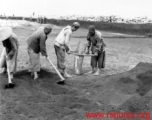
[
  {"x": 134, "y": 90},
  {"x": 129, "y": 91}
]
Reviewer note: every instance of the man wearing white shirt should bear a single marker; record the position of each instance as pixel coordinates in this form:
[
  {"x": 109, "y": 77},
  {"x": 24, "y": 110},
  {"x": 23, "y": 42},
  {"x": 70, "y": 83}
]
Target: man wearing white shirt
[{"x": 61, "y": 46}]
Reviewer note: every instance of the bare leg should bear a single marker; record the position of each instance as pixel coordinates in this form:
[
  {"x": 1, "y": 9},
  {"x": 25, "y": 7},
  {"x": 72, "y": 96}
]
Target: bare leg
[
  {"x": 11, "y": 75},
  {"x": 2, "y": 70},
  {"x": 91, "y": 71},
  {"x": 66, "y": 74},
  {"x": 97, "y": 72},
  {"x": 35, "y": 75}
]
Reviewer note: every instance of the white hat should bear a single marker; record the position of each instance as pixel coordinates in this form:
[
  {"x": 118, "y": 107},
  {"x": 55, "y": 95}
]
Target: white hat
[{"x": 5, "y": 32}]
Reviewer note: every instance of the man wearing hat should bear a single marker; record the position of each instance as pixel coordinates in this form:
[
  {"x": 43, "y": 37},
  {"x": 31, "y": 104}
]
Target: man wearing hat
[
  {"x": 61, "y": 46},
  {"x": 97, "y": 45},
  {"x": 8, "y": 59},
  {"x": 36, "y": 45}
]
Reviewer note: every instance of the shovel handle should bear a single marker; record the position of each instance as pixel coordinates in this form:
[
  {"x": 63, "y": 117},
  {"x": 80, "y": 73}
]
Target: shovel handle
[{"x": 59, "y": 74}]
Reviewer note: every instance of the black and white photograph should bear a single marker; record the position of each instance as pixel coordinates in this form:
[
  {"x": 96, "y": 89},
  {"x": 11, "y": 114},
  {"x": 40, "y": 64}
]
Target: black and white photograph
[{"x": 75, "y": 59}]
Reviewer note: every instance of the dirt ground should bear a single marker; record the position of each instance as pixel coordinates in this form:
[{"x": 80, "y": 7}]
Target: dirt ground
[{"x": 123, "y": 86}]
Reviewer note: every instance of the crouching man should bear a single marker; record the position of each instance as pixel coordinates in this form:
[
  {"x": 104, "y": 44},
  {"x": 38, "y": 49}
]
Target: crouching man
[
  {"x": 62, "y": 46},
  {"x": 97, "y": 45},
  {"x": 8, "y": 59},
  {"x": 36, "y": 45}
]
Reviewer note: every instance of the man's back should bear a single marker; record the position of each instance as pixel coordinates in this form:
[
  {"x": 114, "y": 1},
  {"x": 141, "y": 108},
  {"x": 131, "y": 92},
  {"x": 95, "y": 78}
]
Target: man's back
[{"x": 34, "y": 39}]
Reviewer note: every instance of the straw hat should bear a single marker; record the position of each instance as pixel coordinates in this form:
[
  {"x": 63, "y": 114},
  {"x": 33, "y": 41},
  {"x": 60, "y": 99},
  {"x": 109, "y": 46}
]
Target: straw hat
[{"x": 5, "y": 32}]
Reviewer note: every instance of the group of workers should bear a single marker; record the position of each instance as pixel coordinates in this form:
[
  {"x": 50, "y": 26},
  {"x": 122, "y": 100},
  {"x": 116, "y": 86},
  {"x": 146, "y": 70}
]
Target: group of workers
[{"x": 37, "y": 44}]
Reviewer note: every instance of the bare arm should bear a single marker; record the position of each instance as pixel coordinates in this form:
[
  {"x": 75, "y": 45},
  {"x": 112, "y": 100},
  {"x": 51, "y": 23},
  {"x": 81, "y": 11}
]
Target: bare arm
[
  {"x": 67, "y": 40},
  {"x": 89, "y": 43}
]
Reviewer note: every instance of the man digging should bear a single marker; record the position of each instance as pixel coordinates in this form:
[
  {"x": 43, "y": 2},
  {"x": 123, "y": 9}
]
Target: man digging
[
  {"x": 62, "y": 46},
  {"x": 8, "y": 59},
  {"x": 36, "y": 45},
  {"x": 97, "y": 45}
]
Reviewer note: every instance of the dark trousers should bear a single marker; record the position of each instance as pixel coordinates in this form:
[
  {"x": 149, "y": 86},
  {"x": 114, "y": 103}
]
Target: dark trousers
[
  {"x": 98, "y": 61},
  {"x": 60, "y": 54}
]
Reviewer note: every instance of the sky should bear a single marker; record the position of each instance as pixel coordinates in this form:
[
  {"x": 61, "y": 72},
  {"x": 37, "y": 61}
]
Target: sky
[{"x": 121, "y": 8}]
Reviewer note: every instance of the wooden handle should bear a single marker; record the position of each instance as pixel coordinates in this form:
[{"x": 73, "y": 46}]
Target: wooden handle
[
  {"x": 62, "y": 78},
  {"x": 8, "y": 71},
  {"x": 77, "y": 54}
]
